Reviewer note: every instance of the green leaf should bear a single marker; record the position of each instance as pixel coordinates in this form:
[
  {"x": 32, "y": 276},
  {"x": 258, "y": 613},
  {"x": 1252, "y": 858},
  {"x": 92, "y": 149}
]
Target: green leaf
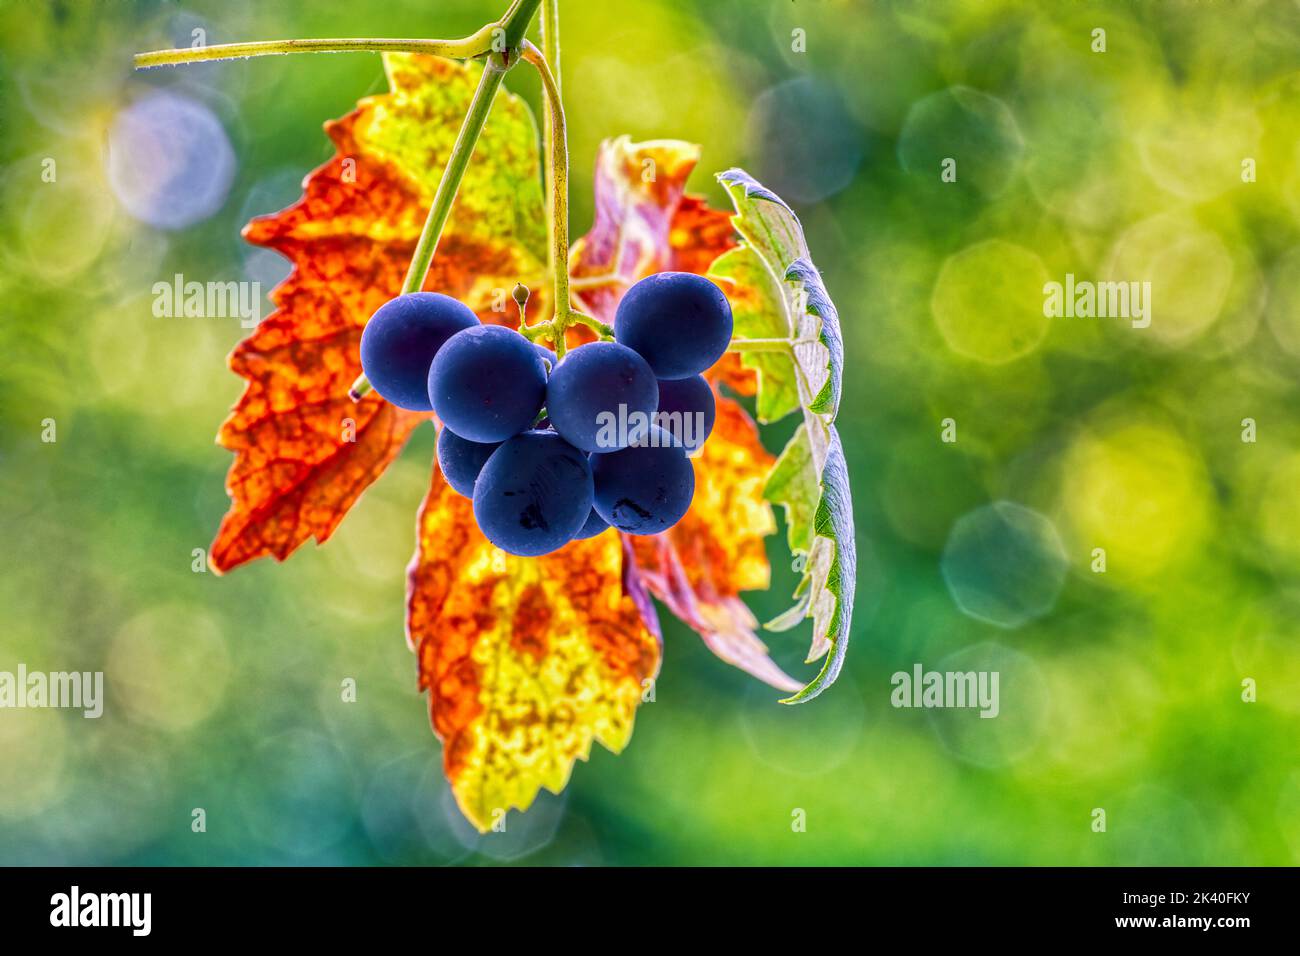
[
  {"x": 830, "y": 565},
  {"x": 803, "y": 313},
  {"x": 758, "y": 309},
  {"x": 777, "y": 293},
  {"x": 787, "y": 486}
]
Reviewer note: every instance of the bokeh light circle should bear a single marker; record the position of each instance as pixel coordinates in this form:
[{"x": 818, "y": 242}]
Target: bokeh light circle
[
  {"x": 170, "y": 162},
  {"x": 1023, "y": 703},
  {"x": 1151, "y": 825},
  {"x": 169, "y": 666},
  {"x": 1189, "y": 269},
  {"x": 778, "y": 735},
  {"x": 1004, "y": 564},
  {"x": 975, "y": 129},
  {"x": 1284, "y": 300},
  {"x": 32, "y": 771},
  {"x": 400, "y": 800},
  {"x": 1136, "y": 489},
  {"x": 806, "y": 143},
  {"x": 299, "y": 794},
  {"x": 63, "y": 226},
  {"x": 1278, "y": 516},
  {"x": 988, "y": 301},
  {"x": 528, "y": 832}
]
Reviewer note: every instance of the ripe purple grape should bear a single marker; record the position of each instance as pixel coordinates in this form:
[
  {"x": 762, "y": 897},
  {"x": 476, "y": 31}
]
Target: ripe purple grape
[
  {"x": 487, "y": 383},
  {"x": 598, "y": 394},
  {"x": 687, "y": 410},
  {"x": 534, "y": 494},
  {"x": 678, "y": 321},
  {"x": 461, "y": 460},
  {"x": 644, "y": 488},
  {"x": 401, "y": 340}
]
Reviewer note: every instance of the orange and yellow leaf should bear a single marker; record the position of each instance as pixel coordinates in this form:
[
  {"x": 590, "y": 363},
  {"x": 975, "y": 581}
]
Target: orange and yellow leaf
[{"x": 304, "y": 451}]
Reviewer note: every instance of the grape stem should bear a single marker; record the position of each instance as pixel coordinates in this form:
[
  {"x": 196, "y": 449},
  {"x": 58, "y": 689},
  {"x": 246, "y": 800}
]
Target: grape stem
[
  {"x": 558, "y": 189},
  {"x": 550, "y": 28},
  {"x": 486, "y": 39},
  {"x": 476, "y": 44}
]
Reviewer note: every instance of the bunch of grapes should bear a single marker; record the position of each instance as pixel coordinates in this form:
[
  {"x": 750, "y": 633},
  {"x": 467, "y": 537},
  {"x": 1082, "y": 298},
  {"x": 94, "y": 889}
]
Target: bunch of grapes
[{"x": 550, "y": 449}]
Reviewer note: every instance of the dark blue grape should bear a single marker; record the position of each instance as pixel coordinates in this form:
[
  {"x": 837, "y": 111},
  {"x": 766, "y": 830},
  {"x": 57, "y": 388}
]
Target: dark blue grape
[
  {"x": 678, "y": 321},
  {"x": 487, "y": 383},
  {"x": 594, "y": 526},
  {"x": 401, "y": 339},
  {"x": 461, "y": 460},
  {"x": 598, "y": 393},
  {"x": 644, "y": 488},
  {"x": 534, "y": 494},
  {"x": 687, "y": 410}
]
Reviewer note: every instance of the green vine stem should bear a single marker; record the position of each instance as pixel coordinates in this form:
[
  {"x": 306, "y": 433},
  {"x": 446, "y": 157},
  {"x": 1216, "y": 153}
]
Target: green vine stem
[
  {"x": 514, "y": 23},
  {"x": 476, "y": 44},
  {"x": 516, "y": 20},
  {"x": 551, "y": 38},
  {"x": 493, "y": 72}
]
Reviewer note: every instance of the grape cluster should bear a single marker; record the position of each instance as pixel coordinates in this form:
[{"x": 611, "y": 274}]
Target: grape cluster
[{"x": 550, "y": 449}]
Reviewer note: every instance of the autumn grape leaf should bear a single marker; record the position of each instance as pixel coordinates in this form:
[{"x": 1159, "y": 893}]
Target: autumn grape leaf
[
  {"x": 527, "y": 660},
  {"x": 646, "y": 222},
  {"x": 304, "y": 451},
  {"x": 778, "y": 294}
]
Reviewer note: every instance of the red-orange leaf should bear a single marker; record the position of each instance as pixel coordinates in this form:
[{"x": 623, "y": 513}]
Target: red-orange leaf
[{"x": 304, "y": 452}]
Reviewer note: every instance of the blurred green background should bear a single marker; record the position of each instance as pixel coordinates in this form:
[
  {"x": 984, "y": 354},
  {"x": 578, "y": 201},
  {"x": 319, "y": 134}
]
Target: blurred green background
[{"x": 1120, "y": 690}]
